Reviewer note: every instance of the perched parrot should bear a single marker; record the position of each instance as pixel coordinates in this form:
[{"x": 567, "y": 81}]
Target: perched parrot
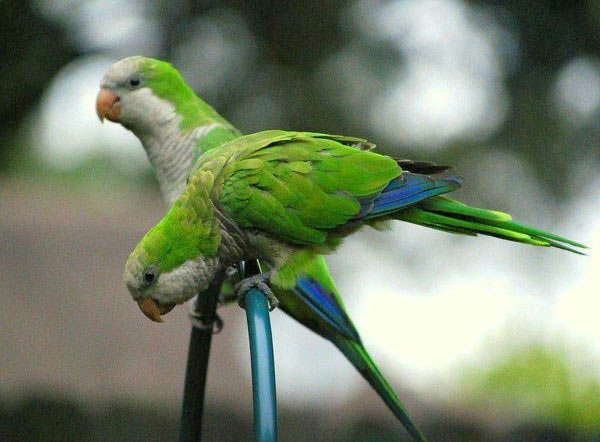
[
  {"x": 283, "y": 197},
  {"x": 151, "y": 98},
  {"x": 286, "y": 197}
]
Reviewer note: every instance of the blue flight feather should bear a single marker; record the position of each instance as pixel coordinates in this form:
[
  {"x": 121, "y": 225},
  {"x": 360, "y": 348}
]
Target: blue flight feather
[
  {"x": 408, "y": 189},
  {"x": 324, "y": 304}
]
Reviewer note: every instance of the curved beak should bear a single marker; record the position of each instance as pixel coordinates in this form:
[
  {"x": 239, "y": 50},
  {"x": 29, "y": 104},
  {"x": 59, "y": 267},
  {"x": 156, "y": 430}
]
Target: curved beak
[
  {"x": 153, "y": 310},
  {"x": 107, "y": 105}
]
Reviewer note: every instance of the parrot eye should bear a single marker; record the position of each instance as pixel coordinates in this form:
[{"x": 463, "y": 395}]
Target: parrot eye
[
  {"x": 133, "y": 81},
  {"x": 149, "y": 276}
]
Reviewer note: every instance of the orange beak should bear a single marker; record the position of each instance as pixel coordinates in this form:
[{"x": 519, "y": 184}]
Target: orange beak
[
  {"x": 153, "y": 310},
  {"x": 107, "y": 105}
]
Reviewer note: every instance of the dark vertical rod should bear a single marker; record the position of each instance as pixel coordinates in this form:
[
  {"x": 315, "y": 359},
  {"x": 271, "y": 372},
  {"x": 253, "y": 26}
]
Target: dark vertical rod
[
  {"x": 190, "y": 429},
  {"x": 263, "y": 365}
]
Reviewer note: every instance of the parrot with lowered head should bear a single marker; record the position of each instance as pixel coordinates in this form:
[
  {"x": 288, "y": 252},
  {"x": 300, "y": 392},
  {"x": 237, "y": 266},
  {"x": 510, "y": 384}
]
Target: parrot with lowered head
[
  {"x": 263, "y": 215},
  {"x": 175, "y": 126},
  {"x": 285, "y": 197}
]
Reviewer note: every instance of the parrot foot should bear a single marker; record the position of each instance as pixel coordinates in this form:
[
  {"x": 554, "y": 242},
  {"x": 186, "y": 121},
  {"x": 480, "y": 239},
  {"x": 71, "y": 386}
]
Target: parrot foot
[
  {"x": 201, "y": 322},
  {"x": 258, "y": 282}
]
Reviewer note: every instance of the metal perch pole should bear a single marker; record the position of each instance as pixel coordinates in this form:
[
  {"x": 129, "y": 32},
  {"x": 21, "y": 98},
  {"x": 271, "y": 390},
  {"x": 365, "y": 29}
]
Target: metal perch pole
[{"x": 190, "y": 429}]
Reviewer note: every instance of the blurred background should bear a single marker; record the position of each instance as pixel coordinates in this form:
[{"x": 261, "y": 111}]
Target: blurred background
[{"x": 482, "y": 339}]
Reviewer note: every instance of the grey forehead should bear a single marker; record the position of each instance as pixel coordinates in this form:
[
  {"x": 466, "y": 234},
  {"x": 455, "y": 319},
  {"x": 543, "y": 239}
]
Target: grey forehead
[{"x": 119, "y": 71}]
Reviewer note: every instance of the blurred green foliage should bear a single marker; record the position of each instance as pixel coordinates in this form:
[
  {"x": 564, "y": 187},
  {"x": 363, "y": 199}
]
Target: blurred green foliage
[{"x": 540, "y": 383}]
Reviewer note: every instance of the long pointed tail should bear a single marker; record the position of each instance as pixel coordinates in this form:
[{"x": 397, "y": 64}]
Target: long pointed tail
[
  {"x": 360, "y": 358},
  {"x": 323, "y": 311},
  {"x": 449, "y": 215}
]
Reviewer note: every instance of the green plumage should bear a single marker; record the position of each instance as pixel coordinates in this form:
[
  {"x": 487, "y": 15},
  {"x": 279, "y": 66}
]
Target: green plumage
[
  {"x": 215, "y": 138},
  {"x": 305, "y": 190},
  {"x": 188, "y": 228},
  {"x": 167, "y": 83},
  {"x": 449, "y": 215},
  {"x": 297, "y": 187},
  {"x": 300, "y": 188}
]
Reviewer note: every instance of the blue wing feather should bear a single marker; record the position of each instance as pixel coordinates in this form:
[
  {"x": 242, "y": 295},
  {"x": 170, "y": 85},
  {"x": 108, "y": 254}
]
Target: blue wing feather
[
  {"x": 324, "y": 304},
  {"x": 408, "y": 189}
]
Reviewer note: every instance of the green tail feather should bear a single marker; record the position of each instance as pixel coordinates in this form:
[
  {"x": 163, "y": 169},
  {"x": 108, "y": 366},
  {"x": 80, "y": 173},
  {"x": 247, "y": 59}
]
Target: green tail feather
[
  {"x": 453, "y": 216},
  {"x": 351, "y": 348},
  {"x": 358, "y": 356}
]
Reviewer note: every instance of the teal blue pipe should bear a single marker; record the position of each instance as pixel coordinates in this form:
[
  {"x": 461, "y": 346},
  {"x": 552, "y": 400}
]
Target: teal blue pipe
[
  {"x": 263, "y": 365},
  {"x": 261, "y": 354}
]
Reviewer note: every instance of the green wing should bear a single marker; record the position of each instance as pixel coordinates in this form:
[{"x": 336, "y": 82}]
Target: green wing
[{"x": 296, "y": 186}]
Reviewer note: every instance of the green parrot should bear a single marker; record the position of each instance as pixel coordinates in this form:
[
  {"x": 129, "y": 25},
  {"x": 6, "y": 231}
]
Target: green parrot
[
  {"x": 176, "y": 127},
  {"x": 151, "y": 98},
  {"x": 285, "y": 197}
]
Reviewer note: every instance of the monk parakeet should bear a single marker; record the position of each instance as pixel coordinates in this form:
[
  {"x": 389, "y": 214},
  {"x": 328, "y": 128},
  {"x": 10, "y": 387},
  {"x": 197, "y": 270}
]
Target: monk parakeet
[
  {"x": 267, "y": 217},
  {"x": 285, "y": 197},
  {"x": 175, "y": 126}
]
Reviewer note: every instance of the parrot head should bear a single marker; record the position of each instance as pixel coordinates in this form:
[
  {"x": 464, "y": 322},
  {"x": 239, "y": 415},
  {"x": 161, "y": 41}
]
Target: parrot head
[
  {"x": 158, "y": 292},
  {"x": 141, "y": 93},
  {"x": 177, "y": 258}
]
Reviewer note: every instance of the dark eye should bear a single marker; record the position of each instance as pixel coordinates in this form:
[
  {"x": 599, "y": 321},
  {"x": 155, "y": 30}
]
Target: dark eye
[
  {"x": 149, "y": 276},
  {"x": 133, "y": 81}
]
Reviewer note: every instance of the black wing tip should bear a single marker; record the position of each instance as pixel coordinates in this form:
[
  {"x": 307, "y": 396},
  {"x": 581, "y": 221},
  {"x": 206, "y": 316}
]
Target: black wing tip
[{"x": 422, "y": 167}]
